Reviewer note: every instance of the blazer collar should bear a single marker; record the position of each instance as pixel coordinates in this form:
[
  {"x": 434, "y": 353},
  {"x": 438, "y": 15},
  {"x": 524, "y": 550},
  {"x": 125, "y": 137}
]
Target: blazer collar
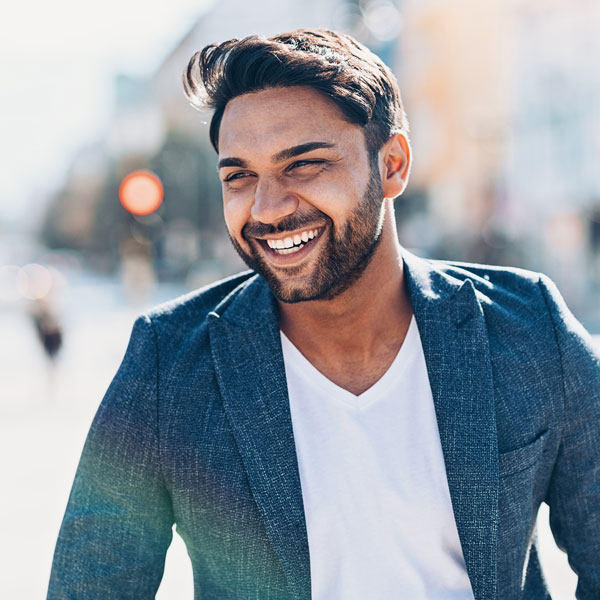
[{"x": 246, "y": 349}]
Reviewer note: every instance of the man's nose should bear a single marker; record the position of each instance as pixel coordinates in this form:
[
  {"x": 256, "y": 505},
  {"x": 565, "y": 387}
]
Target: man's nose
[{"x": 272, "y": 201}]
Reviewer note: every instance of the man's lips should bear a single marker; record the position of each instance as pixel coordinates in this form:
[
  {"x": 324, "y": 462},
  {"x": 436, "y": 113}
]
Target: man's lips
[
  {"x": 291, "y": 246},
  {"x": 293, "y": 242}
]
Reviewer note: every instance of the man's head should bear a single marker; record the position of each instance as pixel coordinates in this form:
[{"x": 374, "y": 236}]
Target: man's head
[
  {"x": 306, "y": 127},
  {"x": 355, "y": 79}
]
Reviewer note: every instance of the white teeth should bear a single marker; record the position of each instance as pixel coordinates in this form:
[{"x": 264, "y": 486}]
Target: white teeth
[
  {"x": 290, "y": 250},
  {"x": 289, "y": 245}
]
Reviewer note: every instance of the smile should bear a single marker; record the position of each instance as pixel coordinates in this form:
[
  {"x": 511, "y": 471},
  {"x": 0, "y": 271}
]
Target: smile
[{"x": 292, "y": 244}]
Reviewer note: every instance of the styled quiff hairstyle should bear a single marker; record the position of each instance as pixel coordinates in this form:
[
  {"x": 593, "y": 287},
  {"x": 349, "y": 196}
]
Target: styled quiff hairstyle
[{"x": 338, "y": 66}]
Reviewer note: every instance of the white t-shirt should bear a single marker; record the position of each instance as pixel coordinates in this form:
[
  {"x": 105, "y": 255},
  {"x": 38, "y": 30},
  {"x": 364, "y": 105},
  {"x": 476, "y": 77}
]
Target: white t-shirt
[{"x": 378, "y": 510}]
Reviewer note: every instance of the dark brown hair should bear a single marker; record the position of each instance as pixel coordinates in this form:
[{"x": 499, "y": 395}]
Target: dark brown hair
[{"x": 358, "y": 81}]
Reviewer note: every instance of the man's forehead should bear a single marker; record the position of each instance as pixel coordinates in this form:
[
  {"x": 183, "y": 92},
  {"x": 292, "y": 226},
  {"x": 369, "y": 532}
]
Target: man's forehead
[
  {"x": 277, "y": 119},
  {"x": 298, "y": 98}
]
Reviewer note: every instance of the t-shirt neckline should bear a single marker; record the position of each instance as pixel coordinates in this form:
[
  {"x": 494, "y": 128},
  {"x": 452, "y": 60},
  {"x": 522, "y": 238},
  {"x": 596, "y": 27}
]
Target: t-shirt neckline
[{"x": 379, "y": 389}]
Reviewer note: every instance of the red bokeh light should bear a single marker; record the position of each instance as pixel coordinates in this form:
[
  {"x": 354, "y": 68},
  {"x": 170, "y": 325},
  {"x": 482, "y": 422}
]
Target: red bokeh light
[{"x": 141, "y": 192}]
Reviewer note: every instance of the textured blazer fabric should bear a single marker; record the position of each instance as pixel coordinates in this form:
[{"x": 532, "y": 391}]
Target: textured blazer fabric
[{"x": 195, "y": 430}]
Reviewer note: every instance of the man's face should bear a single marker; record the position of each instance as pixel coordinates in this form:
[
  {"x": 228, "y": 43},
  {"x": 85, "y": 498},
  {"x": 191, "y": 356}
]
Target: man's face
[{"x": 303, "y": 205}]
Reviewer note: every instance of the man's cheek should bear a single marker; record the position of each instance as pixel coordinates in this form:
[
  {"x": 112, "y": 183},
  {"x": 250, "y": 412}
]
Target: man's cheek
[{"x": 234, "y": 220}]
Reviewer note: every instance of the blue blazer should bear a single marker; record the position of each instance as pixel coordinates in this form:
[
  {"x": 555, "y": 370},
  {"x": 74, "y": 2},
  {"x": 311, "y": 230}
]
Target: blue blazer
[{"x": 195, "y": 430}]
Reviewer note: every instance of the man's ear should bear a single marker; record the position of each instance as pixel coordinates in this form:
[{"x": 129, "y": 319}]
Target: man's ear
[{"x": 396, "y": 156}]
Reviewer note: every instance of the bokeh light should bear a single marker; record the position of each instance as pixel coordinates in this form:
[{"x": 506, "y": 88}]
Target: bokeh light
[
  {"x": 141, "y": 192},
  {"x": 34, "y": 281}
]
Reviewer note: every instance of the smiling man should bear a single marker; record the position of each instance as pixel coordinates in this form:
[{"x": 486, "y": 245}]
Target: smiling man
[{"x": 345, "y": 420}]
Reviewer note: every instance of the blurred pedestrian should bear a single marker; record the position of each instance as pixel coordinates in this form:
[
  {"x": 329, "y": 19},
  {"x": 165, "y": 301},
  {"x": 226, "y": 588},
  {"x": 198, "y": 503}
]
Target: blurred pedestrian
[
  {"x": 48, "y": 329},
  {"x": 49, "y": 333}
]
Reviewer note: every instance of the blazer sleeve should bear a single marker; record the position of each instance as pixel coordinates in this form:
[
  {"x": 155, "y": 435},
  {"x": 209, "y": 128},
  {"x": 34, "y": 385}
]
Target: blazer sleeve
[
  {"x": 574, "y": 492},
  {"x": 118, "y": 521}
]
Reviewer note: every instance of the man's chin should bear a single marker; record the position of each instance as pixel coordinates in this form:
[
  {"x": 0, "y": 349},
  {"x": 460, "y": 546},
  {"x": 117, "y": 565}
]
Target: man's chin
[
  {"x": 285, "y": 290},
  {"x": 291, "y": 287},
  {"x": 303, "y": 283},
  {"x": 293, "y": 297},
  {"x": 305, "y": 291}
]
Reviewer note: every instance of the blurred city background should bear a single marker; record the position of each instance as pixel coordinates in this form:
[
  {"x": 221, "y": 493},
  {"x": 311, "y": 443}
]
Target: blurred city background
[{"x": 110, "y": 201}]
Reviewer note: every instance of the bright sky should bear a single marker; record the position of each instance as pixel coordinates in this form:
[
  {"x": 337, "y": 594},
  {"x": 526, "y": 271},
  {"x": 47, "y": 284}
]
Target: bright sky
[{"x": 57, "y": 63}]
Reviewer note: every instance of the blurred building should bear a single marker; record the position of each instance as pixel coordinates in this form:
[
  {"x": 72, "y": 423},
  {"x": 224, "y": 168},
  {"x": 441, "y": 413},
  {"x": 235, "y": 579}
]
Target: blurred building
[
  {"x": 504, "y": 104},
  {"x": 69, "y": 220},
  {"x": 553, "y": 152},
  {"x": 138, "y": 125},
  {"x": 453, "y": 80}
]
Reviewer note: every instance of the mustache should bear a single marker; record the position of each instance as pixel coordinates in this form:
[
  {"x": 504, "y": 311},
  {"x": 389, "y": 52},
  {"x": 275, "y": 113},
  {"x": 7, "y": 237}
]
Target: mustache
[{"x": 290, "y": 223}]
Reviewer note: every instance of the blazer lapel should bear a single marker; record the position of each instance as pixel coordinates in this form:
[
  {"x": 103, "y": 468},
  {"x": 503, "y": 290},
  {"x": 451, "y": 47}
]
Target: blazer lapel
[
  {"x": 455, "y": 344},
  {"x": 246, "y": 349}
]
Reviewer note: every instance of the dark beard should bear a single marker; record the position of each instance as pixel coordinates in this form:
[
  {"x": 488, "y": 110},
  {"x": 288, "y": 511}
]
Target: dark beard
[{"x": 343, "y": 258}]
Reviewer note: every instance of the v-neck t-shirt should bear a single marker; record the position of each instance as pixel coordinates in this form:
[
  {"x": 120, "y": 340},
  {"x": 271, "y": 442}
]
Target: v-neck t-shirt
[{"x": 376, "y": 500}]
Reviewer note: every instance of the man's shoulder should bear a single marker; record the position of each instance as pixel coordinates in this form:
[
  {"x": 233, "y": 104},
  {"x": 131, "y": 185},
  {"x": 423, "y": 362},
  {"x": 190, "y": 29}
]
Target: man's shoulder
[
  {"x": 485, "y": 274},
  {"x": 179, "y": 328},
  {"x": 519, "y": 306},
  {"x": 495, "y": 286},
  {"x": 187, "y": 314},
  {"x": 513, "y": 300},
  {"x": 493, "y": 282},
  {"x": 202, "y": 301}
]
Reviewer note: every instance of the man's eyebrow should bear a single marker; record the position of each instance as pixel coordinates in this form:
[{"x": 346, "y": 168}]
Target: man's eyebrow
[
  {"x": 231, "y": 162},
  {"x": 299, "y": 149}
]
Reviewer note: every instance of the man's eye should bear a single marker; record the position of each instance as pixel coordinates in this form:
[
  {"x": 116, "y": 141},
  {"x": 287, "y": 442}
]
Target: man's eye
[
  {"x": 237, "y": 175},
  {"x": 305, "y": 163}
]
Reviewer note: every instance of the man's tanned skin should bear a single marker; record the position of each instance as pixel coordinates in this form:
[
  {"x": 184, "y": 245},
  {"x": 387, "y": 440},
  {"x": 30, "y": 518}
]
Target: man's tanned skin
[{"x": 351, "y": 338}]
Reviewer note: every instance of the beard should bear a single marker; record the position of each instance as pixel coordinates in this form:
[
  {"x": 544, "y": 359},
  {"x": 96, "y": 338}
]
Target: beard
[{"x": 344, "y": 257}]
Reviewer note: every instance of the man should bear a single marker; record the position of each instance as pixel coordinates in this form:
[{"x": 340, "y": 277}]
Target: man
[{"x": 346, "y": 420}]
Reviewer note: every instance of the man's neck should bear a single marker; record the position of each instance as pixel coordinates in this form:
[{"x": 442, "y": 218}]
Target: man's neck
[{"x": 353, "y": 338}]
